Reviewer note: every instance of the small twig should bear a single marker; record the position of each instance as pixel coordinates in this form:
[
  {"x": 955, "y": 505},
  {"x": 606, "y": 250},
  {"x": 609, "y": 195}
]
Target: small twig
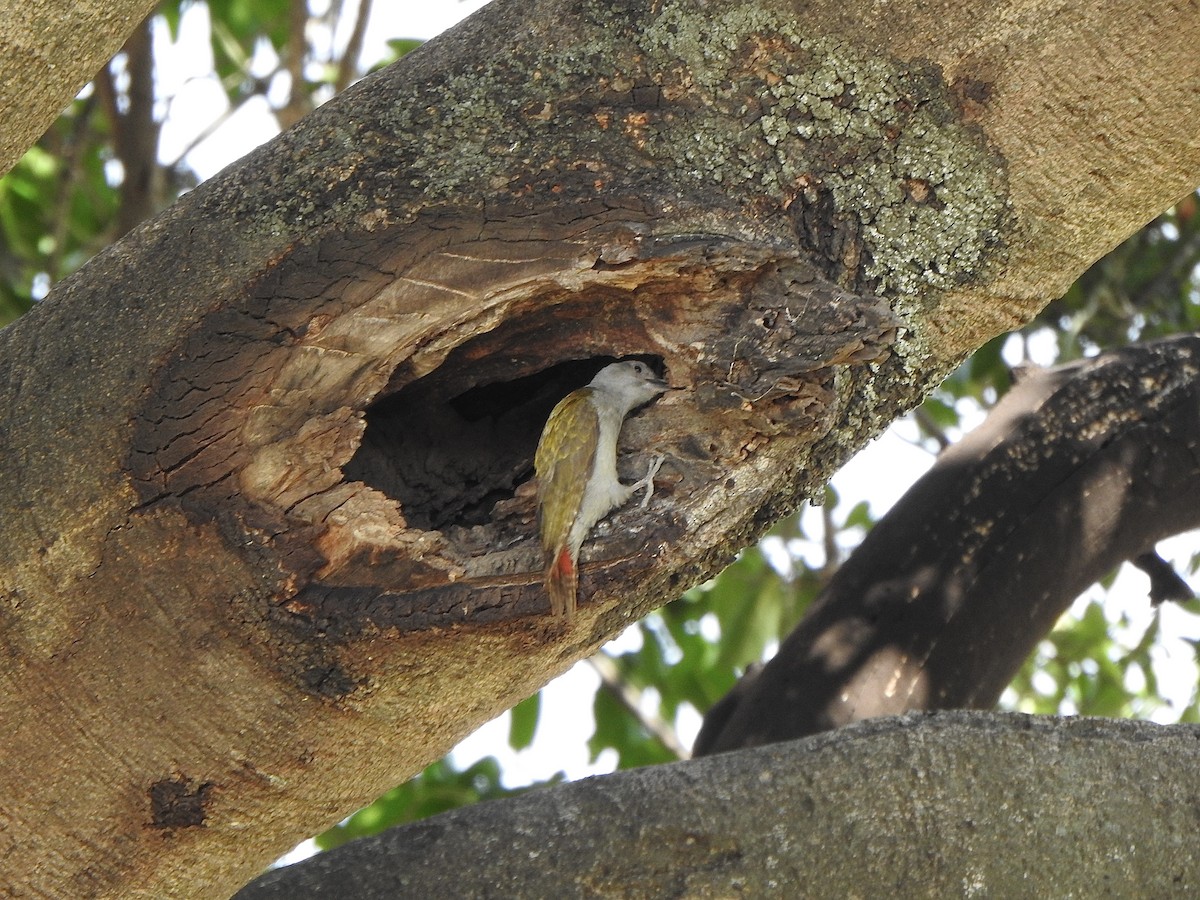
[
  {"x": 348, "y": 67},
  {"x": 297, "y": 48},
  {"x": 925, "y": 421},
  {"x": 833, "y": 556},
  {"x": 211, "y": 128},
  {"x": 630, "y": 698},
  {"x": 136, "y": 133},
  {"x": 1169, "y": 279},
  {"x": 760, "y": 397},
  {"x": 69, "y": 158}
]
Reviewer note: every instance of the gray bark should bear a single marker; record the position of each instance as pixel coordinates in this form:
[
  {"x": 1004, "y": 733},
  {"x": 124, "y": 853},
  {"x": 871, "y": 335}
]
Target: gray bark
[{"x": 936, "y": 805}]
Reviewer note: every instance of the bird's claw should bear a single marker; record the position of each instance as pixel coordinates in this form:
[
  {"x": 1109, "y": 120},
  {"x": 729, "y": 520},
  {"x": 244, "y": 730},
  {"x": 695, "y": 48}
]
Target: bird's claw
[{"x": 648, "y": 480}]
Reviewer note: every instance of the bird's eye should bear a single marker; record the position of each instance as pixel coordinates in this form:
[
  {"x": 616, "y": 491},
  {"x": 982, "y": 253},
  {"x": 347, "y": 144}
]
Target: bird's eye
[{"x": 638, "y": 369}]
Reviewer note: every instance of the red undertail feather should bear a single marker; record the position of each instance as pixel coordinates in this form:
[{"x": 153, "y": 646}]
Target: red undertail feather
[{"x": 562, "y": 580}]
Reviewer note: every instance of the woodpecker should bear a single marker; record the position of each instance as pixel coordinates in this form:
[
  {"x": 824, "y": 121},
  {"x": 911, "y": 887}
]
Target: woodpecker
[{"x": 576, "y": 465}]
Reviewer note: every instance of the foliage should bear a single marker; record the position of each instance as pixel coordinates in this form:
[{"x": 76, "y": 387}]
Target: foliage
[
  {"x": 439, "y": 788},
  {"x": 59, "y": 206},
  {"x": 61, "y": 203},
  {"x": 56, "y": 207}
]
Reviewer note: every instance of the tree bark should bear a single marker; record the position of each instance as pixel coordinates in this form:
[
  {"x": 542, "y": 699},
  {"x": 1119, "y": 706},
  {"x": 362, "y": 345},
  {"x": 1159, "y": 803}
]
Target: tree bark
[
  {"x": 1077, "y": 469},
  {"x": 943, "y": 805},
  {"x": 268, "y": 542},
  {"x": 48, "y": 52}
]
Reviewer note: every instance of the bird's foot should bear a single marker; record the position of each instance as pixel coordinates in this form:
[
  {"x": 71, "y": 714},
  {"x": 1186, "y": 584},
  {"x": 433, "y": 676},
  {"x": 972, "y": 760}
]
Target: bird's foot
[{"x": 648, "y": 481}]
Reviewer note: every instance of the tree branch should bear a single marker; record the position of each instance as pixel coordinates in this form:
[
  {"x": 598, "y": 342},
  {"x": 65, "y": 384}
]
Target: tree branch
[
  {"x": 70, "y": 174},
  {"x": 288, "y": 424},
  {"x": 919, "y": 806},
  {"x": 135, "y": 133},
  {"x": 348, "y": 65},
  {"x": 299, "y": 103},
  {"x": 630, "y": 698},
  {"x": 50, "y": 52},
  {"x": 1076, "y": 470}
]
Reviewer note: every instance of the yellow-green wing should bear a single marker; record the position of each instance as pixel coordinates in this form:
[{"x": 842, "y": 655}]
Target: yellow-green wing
[{"x": 562, "y": 462}]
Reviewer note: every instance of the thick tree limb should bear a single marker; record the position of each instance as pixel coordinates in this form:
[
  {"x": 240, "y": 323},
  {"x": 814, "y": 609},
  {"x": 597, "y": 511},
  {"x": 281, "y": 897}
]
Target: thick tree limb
[
  {"x": 48, "y": 52},
  {"x": 1076, "y": 470},
  {"x": 941, "y": 806},
  {"x": 267, "y": 541}
]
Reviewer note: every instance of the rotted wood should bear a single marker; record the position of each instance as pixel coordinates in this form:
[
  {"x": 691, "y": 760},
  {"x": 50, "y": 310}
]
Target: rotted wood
[
  {"x": 1077, "y": 469},
  {"x": 363, "y": 416},
  {"x": 381, "y": 430}
]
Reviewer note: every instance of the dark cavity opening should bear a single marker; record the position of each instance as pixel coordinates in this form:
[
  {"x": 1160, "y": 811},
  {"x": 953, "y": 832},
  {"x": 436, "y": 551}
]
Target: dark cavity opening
[{"x": 449, "y": 449}]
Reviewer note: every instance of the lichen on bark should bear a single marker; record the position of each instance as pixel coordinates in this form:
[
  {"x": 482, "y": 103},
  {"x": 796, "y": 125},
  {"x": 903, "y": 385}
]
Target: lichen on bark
[{"x": 884, "y": 136}]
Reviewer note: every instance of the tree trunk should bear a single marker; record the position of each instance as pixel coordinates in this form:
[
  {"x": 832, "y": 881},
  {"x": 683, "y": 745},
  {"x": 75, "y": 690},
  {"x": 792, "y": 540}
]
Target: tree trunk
[
  {"x": 951, "y": 805},
  {"x": 268, "y": 542}
]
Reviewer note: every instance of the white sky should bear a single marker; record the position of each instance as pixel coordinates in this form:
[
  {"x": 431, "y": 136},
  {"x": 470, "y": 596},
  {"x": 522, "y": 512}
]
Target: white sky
[
  {"x": 185, "y": 72},
  {"x": 880, "y": 473}
]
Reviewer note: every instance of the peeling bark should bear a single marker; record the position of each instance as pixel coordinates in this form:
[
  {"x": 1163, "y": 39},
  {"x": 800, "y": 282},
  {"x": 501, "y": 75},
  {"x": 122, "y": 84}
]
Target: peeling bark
[{"x": 249, "y": 535}]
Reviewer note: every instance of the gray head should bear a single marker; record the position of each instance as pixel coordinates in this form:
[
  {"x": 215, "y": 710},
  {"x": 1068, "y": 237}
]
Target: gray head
[{"x": 631, "y": 382}]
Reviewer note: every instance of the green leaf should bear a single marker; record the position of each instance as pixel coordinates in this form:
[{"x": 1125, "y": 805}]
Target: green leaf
[
  {"x": 171, "y": 15},
  {"x": 439, "y": 788},
  {"x": 403, "y": 46},
  {"x": 859, "y": 516},
  {"x": 943, "y": 414},
  {"x": 523, "y": 722},
  {"x": 618, "y": 729},
  {"x": 987, "y": 366}
]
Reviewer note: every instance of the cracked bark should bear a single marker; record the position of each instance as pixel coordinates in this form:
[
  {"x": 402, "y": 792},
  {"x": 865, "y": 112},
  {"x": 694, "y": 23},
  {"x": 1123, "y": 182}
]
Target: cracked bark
[{"x": 267, "y": 508}]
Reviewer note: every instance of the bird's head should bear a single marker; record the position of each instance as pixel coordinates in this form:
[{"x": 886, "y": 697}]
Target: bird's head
[{"x": 633, "y": 381}]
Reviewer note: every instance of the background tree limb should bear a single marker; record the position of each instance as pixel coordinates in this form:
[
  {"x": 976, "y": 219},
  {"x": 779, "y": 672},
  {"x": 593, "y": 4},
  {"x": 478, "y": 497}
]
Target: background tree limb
[{"x": 1077, "y": 469}]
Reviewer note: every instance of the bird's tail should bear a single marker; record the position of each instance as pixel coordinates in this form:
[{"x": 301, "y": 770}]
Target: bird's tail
[{"x": 562, "y": 583}]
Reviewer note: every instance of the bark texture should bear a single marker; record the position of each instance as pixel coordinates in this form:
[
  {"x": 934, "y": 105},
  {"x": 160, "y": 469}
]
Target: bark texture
[
  {"x": 1077, "y": 469},
  {"x": 267, "y": 539},
  {"x": 49, "y": 49},
  {"x": 949, "y": 805}
]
